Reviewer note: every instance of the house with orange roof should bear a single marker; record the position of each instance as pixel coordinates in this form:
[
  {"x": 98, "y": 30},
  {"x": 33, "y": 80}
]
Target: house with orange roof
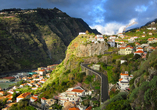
[
  {"x": 139, "y": 49},
  {"x": 23, "y": 96},
  {"x": 125, "y": 50},
  {"x": 42, "y": 72},
  {"x": 137, "y": 44},
  {"x": 33, "y": 99},
  {"x": 124, "y": 80},
  {"x": 150, "y": 49},
  {"x": 99, "y": 38},
  {"x": 72, "y": 95},
  {"x": 32, "y": 82},
  {"x": 34, "y": 76},
  {"x": 10, "y": 100},
  {"x": 42, "y": 80},
  {"x": 24, "y": 78},
  {"x": 41, "y": 77},
  {"x": 43, "y": 100},
  {"x": 8, "y": 106},
  {"x": 143, "y": 36},
  {"x": 48, "y": 75},
  {"x": 9, "y": 96},
  {"x": 1, "y": 93},
  {"x": 139, "y": 52}
]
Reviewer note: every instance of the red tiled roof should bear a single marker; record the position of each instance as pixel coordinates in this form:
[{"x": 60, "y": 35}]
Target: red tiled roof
[
  {"x": 9, "y": 78},
  {"x": 42, "y": 70},
  {"x": 34, "y": 98},
  {"x": 123, "y": 74},
  {"x": 43, "y": 98},
  {"x": 122, "y": 47},
  {"x": 139, "y": 51},
  {"x": 120, "y": 79},
  {"x": 77, "y": 90},
  {"x": 139, "y": 48},
  {"x": 24, "y": 95}
]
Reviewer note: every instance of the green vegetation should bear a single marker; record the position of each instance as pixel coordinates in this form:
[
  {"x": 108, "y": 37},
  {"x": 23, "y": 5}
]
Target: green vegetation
[
  {"x": 34, "y": 39},
  {"x": 22, "y": 105}
]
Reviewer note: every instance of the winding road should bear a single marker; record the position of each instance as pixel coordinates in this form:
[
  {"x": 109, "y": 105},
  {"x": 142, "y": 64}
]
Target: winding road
[{"x": 104, "y": 83}]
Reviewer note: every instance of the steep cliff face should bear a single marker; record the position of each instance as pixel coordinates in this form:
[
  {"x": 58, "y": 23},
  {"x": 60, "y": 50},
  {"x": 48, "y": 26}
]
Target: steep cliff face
[
  {"x": 32, "y": 38},
  {"x": 82, "y": 46},
  {"x": 91, "y": 49}
]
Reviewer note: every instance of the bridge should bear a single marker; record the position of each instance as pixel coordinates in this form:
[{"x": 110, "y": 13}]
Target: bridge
[{"x": 102, "y": 77}]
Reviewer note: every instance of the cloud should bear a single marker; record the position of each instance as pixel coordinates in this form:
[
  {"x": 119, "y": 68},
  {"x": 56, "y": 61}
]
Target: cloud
[
  {"x": 109, "y": 28},
  {"x": 101, "y": 14}
]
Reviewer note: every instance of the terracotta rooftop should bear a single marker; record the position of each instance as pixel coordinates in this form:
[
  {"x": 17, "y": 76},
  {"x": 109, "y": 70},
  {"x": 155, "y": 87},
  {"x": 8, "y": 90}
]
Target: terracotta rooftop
[
  {"x": 139, "y": 51},
  {"x": 77, "y": 90},
  {"x": 43, "y": 98},
  {"x": 24, "y": 95},
  {"x": 123, "y": 74},
  {"x": 9, "y": 78},
  {"x": 120, "y": 79}
]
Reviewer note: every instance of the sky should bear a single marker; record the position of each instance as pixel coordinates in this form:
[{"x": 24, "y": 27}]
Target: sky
[{"x": 107, "y": 16}]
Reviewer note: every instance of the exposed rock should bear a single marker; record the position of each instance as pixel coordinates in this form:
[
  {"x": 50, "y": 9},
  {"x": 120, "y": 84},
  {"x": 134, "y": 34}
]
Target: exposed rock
[{"x": 91, "y": 49}]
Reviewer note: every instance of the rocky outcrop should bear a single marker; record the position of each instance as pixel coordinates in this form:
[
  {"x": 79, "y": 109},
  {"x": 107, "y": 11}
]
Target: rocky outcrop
[{"x": 91, "y": 49}]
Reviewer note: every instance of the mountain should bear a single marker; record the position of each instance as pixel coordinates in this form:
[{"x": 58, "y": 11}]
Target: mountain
[{"x": 38, "y": 37}]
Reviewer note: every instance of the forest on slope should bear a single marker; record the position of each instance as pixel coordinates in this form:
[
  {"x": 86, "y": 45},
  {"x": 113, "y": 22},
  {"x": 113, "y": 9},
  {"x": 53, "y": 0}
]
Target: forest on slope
[{"x": 38, "y": 37}]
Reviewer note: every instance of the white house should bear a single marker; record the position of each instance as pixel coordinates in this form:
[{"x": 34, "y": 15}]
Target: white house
[
  {"x": 33, "y": 99},
  {"x": 81, "y": 33},
  {"x": 42, "y": 72},
  {"x": 43, "y": 100},
  {"x": 34, "y": 88},
  {"x": 124, "y": 81},
  {"x": 122, "y": 61},
  {"x": 15, "y": 87},
  {"x": 139, "y": 49},
  {"x": 150, "y": 34},
  {"x": 111, "y": 42},
  {"x": 11, "y": 91},
  {"x": 22, "y": 96},
  {"x": 112, "y": 37},
  {"x": 99, "y": 38},
  {"x": 72, "y": 94}
]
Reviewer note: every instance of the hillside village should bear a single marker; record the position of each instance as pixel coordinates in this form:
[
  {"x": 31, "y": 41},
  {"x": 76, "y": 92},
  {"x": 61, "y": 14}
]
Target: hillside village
[{"x": 71, "y": 99}]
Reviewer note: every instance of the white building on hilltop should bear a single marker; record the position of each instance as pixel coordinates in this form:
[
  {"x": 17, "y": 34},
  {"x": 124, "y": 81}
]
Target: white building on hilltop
[{"x": 99, "y": 38}]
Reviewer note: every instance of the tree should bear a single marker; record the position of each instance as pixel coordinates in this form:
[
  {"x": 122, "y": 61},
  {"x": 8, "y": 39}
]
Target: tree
[
  {"x": 87, "y": 32},
  {"x": 14, "y": 96}
]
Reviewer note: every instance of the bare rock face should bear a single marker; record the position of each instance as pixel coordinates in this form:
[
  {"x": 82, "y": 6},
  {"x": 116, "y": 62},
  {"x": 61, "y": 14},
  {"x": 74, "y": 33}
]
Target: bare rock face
[{"x": 91, "y": 49}]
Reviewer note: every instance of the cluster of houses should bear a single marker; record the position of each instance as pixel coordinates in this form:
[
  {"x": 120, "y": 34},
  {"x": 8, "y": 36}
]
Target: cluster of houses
[
  {"x": 95, "y": 39},
  {"x": 72, "y": 98},
  {"x": 34, "y": 81}
]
